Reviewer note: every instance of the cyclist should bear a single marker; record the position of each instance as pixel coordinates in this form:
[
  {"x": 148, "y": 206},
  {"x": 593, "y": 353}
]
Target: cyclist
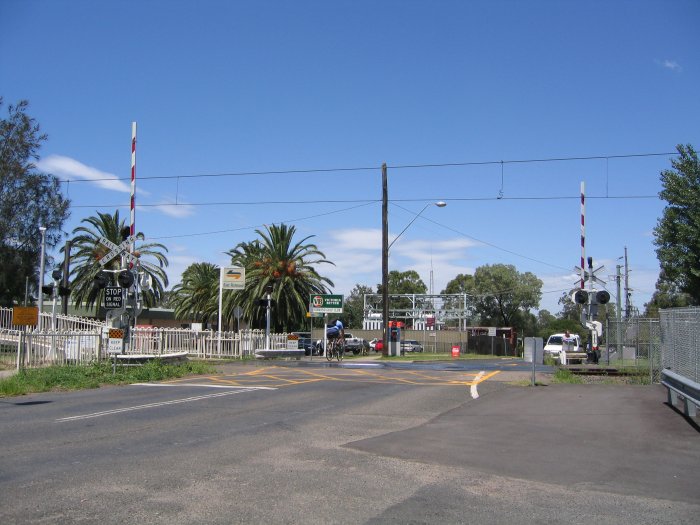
[
  {"x": 336, "y": 337},
  {"x": 335, "y": 330}
]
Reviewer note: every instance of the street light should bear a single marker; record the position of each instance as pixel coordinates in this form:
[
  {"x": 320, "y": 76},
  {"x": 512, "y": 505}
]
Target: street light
[
  {"x": 385, "y": 250},
  {"x": 439, "y": 204},
  {"x": 42, "y": 229}
]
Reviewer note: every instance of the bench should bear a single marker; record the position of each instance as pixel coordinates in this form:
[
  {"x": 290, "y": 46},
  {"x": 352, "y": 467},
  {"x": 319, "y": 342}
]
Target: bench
[{"x": 680, "y": 387}]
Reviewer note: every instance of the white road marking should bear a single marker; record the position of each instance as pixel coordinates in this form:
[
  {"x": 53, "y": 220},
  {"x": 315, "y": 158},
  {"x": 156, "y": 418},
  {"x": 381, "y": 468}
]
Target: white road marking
[
  {"x": 473, "y": 390},
  {"x": 160, "y": 404},
  {"x": 206, "y": 385}
]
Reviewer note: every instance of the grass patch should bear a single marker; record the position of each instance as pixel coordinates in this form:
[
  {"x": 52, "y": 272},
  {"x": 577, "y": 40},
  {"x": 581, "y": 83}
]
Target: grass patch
[
  {"x": 562, "y": 375},
  {"x": 63, "y": 378}
]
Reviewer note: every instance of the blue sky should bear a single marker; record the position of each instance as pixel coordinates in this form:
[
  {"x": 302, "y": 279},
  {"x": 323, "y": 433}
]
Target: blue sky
[{"x": 228, "y": 87}]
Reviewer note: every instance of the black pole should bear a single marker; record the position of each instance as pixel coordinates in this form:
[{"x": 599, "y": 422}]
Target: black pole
[
  {"x": 66, "y": 269},
  {"x": 385, "y": 259}
]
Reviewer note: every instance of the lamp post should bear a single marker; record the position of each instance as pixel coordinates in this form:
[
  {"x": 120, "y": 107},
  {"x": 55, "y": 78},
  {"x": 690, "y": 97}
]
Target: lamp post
[
  {"x": 385, "y": 250},
  {"x": 42, "y": 229},
  {"x": 439, "y": 204}
]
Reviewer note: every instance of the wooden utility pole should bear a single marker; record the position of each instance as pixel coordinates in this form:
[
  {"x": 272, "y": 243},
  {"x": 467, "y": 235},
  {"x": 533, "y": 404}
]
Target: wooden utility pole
[{"x": 385, "y": 259}]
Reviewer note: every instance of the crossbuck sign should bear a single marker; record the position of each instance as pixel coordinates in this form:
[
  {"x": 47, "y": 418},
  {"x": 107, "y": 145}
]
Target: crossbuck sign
[{"x": 117, "y": 250}]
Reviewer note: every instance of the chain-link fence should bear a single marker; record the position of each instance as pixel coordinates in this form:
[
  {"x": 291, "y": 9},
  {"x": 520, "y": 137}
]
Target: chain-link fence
[
  {"x": 633, "y": 343},
  {"x": 680, "y": 330}
]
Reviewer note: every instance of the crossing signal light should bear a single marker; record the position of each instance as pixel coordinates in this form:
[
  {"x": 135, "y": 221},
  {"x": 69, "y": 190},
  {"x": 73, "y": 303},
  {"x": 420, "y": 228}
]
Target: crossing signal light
[
  {"x": 580, "y": 297},
  {"x": 100, "y": 280},
  {"x": 47, "y": 289},
  {"x": 125, "y": 279},
  {"x": 602, "y": 297},
  {"x": 63, "y": 291}
]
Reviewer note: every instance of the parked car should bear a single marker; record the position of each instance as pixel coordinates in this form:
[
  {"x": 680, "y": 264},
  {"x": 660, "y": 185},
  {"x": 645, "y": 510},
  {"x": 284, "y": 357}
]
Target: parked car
[
  {"x": 411, "y": 345},
  {"x": 378, "y": 345},
  {"x": 306, "y": 343}
]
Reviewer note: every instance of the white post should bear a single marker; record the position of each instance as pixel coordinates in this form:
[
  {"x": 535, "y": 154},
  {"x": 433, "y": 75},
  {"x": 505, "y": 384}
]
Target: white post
[
  {"x": 42, "y": 229},
  {"x": 325, "y": 334},
  {"x": 267, "y": 321},
  {"x": 221, "y": 289}
]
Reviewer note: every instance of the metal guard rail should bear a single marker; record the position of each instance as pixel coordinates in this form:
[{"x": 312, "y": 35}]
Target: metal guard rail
[{"x": 684, "y": 388}]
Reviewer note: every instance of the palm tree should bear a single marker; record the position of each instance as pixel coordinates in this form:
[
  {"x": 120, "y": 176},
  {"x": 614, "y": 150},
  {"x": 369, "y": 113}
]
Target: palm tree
[
  {"x": 288, "y": 267},
  {"x": 196, "y": 296},
  {"x": 87, "y": 251}
]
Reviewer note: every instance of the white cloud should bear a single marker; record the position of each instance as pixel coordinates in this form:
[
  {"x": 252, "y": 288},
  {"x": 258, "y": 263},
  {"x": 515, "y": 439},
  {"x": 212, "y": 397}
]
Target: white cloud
[
  {"x": 72, "y": 169},
  {"x": 670, "y": 64},
  {"x": 357, "y": 256},
  {"x": 175, "y": 210}
]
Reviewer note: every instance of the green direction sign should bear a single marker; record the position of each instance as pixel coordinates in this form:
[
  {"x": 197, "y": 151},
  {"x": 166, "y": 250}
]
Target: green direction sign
[{"x": 326, "y": 304}]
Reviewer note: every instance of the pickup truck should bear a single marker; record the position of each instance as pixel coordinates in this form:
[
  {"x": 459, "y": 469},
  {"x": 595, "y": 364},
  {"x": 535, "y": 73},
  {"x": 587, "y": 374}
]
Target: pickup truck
[{"x": 353, "y": 344}]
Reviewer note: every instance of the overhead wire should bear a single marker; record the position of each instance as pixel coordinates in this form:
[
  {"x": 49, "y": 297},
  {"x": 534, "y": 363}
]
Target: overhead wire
[{"x": 370, "y": 168}]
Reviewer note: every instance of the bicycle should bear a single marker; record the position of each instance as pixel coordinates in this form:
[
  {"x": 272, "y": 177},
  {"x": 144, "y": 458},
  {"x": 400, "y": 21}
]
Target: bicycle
[{"x": 335, "y": 348}]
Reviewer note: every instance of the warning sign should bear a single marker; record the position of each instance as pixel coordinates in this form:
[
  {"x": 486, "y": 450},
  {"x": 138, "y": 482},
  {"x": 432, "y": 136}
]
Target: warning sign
[
  {"x": 25, "y": 316},
  {"x": 116, "y": 333}
]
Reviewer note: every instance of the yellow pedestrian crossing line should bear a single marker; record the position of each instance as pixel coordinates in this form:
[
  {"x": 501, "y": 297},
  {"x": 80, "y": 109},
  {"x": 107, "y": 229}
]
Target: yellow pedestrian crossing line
[{"x": 281, "y": 376}]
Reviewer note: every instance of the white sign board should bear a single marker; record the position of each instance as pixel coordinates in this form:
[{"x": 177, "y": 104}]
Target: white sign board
[
  {"x": 492, "y": 332},
  {"x": 115, "y": 346},
  {"x": 232, "y": 278}
]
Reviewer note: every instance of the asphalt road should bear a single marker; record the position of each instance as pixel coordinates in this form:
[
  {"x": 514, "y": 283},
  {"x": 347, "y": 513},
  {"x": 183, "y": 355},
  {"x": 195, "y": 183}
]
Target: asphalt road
[{"x": 302, "y": 443}]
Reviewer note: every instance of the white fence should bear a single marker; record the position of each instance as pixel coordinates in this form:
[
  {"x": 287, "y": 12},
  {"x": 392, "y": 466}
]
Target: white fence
[
  {"x": 62, "y": 322},
  {"x": 35, "y": 349},
  {"x": 20, "y": 349}
]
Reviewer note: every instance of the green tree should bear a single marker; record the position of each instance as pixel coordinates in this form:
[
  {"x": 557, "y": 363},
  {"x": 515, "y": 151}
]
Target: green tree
[
  {"x": 353, "y": 308},
  {"x": 275, "y": 260},
  {"x": 677, "y": 233},
  {"x": 569, "y": 309},
  {"x": 196, "y": 296},
  {"x": 36, "y": 194},
  {"x": 666, "y": 295},
  {"x": 401, "y": 283},
  {"x": 502, "y": 292},
  {"x": 87, "y": 251}
]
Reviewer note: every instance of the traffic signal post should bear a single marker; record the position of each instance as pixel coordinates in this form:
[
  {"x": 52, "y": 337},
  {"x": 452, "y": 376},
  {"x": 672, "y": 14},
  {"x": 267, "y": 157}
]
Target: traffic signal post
[{"x": 590, "y": 300}]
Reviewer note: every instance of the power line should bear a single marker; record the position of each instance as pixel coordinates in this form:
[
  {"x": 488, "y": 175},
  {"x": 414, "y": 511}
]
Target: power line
[
  {"x": 371, "y": 168},
  {"x": 511, "y": 252},
  {"x": 365, "y": 201},
  {"x": 258, "y": 226}
]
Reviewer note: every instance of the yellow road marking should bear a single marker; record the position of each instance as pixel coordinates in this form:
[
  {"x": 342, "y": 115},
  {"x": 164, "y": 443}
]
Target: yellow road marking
[{"x": 284, "y": 376}]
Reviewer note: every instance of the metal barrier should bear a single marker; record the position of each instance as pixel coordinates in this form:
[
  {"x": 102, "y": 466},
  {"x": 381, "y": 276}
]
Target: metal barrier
[{"x": 684, "y": 389}]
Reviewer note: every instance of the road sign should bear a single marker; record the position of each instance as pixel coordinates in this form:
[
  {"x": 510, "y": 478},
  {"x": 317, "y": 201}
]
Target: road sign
[
  {"x": 25, "y": 316},
  {"x": 590, "y": 276},
  {"x": 114, "y": 298},
  {"x": 326, "y": 304},
  {"x": 117, "y": 250},
  {"x": 115, "y": 346},
  {"x": 232, "y": 278}
]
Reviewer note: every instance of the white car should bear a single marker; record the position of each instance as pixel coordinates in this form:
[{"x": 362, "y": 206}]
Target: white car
[{"x": 555, "y": 344}]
